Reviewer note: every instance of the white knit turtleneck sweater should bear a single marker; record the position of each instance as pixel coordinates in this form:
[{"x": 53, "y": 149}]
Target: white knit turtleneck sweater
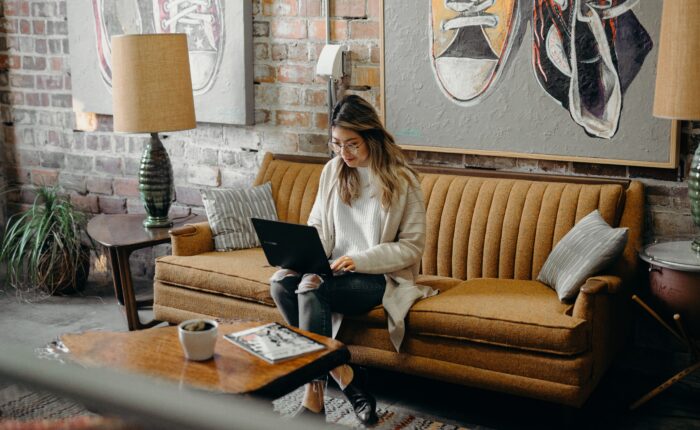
[{"x": 358, "y": 227}]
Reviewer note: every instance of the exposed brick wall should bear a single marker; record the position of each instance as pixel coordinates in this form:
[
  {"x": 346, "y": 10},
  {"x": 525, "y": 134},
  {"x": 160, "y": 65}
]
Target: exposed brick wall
[{"x": 98, "y": 168}]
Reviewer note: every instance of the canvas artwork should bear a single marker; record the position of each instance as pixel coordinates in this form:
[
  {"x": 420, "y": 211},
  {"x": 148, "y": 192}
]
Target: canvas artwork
[
  {"x": 219, "y": 38},
  {"x": 471, "y": 43},
  {"x": 561, "y": 79},
  {"x": 586, "y": 56}
]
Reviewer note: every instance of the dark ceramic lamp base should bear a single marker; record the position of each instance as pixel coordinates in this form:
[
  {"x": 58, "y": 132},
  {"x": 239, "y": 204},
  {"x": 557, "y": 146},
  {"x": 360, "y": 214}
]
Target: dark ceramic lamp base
[
  {"x": 156, "y": 183},
  {"x": 694, "y": 192},
  {"x": 155, "y": 222}
]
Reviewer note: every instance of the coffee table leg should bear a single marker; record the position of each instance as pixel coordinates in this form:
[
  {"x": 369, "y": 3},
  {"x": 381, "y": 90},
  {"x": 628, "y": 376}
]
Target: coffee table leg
[{"x": 127, "y": 288}]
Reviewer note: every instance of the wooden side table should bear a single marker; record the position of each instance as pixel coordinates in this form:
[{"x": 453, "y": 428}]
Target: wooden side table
[
  {"x": 674, "y": 276},
  {"x": 123, "y": 234}
]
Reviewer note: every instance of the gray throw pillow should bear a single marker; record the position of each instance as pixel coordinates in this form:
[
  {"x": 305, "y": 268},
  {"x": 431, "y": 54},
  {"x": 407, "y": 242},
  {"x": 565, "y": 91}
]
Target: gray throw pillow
[
  {"x": 229, "y": 212},
  {"x": 589, "y": 247}
]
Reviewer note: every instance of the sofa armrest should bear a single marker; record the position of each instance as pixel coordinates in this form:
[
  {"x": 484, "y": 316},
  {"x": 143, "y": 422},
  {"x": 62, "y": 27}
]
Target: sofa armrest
[
  {"x": 592, "y": 290},
  {"x": 602, "y": 284},
  {"x": 192, "y": 239}
]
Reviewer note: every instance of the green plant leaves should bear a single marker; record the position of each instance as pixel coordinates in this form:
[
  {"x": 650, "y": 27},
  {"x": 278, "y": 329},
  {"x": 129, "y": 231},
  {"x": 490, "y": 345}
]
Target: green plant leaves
[{"x": 43, "y": 247}]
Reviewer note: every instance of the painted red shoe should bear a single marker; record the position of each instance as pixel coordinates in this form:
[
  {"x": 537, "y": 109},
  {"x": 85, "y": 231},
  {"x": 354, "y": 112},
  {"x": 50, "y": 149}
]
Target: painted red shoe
[
  {"x": 585, "y": 55},
  {"x": 203, "y": 22},
  {"x": 471, "y": 43}
]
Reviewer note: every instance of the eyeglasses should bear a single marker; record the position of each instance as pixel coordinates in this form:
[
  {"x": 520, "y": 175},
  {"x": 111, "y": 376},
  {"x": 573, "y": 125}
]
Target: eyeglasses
[{"x": 351, "y": 148}]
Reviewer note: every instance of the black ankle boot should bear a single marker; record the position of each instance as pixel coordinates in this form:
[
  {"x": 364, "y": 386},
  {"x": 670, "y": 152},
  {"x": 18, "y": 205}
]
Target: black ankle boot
[{"x": 363, "y": 403}]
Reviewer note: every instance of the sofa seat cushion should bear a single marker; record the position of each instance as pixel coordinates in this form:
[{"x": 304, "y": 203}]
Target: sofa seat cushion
[
  {"x": 377, "y": 317},
  {"x": 512, "y": 313},
  {"x": 243, "y": 273},
  {"x": 440, "y": 283}
]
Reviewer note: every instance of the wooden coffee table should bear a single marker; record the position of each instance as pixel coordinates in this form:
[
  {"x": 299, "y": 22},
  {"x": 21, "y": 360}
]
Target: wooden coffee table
[{"x": 157, "y": 352}]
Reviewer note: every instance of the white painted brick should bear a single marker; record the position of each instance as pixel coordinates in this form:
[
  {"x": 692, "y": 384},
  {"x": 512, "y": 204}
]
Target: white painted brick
[
  {"x": 180, "y": 175},
  {"x": 249, "y": 161},
  {"x": 229, "y": 159},
  {"x": 280, "y": 142},
  {"x": 204, "y": 175},
  {"x": 207, "y": 131},
  {"x": 241, "y": 137},
  {"x": 237, "y": 178},
  {"x": 175, "y": 148}
]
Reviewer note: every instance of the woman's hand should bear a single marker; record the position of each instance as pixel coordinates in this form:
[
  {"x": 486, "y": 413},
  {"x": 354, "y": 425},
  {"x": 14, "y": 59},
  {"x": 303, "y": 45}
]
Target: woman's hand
[{"x": 343, "y": 263}]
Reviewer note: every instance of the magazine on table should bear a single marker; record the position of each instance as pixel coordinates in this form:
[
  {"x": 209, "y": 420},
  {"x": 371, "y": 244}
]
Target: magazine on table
[{"x": 274, "y": 342}]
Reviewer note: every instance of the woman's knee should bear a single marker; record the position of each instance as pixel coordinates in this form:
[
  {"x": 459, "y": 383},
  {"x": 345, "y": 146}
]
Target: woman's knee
[
  {"x": 280, "y": 291},
  {"x": 312, "y": 300},
  {"x": 314, "y": 312}
]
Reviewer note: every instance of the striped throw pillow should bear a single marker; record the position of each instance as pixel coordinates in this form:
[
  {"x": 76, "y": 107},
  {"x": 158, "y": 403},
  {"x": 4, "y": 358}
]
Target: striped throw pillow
[
  {"x": 229, "y": 213},
  {"x": 589, "y": 247}
]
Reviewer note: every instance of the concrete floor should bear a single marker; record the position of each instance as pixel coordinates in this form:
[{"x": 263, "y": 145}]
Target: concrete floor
[{"x": 36, "y": 324}]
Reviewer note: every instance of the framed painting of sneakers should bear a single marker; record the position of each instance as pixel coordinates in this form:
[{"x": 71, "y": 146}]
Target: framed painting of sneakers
[
  {"x": 569, "y": 80},
  {"x": 219, "y": 37}
]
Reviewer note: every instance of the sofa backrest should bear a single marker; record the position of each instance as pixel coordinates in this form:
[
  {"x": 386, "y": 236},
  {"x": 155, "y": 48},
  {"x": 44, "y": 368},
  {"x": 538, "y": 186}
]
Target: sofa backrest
[
  {"x": 294, "y": 185},
  {"x": 495, "y": 225},
  {"x": 503, "y": 228}
]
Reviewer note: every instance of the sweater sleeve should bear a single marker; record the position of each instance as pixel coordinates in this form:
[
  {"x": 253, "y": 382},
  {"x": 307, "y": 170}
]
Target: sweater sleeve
[
  {"x": 318, "y": 210},
  {"x": 408, "y": 247}
]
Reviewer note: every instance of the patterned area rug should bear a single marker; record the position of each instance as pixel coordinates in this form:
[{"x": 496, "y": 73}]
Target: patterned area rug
[
  {"x": 21, "y": 409},
  {"x": 21, "y": 404},
  {"x": 339, "y": 411}
]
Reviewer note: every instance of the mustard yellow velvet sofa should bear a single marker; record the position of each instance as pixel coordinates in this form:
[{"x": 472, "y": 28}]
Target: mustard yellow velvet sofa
[{"x": 493, "y": 325}]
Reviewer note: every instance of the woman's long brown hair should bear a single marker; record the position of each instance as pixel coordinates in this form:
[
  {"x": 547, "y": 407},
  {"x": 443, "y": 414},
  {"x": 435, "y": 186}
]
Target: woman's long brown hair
[{"x": 387, "y": 160}]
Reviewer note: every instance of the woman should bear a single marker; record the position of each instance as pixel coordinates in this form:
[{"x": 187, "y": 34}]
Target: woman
[{"x": 370, "y": 215}]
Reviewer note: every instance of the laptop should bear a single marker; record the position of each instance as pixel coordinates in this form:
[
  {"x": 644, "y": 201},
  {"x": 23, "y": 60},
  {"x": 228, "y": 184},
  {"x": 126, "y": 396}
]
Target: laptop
[{"x": 292, "y": 246}]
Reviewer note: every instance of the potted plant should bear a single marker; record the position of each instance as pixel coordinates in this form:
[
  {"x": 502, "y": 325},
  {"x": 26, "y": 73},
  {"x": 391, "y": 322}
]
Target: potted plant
[{"x": 43, "y": 247}]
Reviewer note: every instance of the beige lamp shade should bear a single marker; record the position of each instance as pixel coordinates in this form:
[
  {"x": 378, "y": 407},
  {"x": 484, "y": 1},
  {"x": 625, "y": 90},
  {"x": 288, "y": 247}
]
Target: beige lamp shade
[
  {"x": 151, "y": 83},
  {"x": 677, "y": 92}
]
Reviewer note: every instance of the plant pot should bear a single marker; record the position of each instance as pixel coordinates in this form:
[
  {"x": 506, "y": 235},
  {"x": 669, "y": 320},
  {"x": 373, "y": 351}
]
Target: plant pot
[
  {"x": 198, "y": 345},
  {"x": 59, "y": 279}
]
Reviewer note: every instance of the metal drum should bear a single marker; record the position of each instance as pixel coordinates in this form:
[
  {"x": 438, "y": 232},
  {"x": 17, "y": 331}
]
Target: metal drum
[{"x": 674, "y": 278}]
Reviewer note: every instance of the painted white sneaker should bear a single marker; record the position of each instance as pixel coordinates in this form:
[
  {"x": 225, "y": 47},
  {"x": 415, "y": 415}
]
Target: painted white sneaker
[{"x": 471, "y": 43}]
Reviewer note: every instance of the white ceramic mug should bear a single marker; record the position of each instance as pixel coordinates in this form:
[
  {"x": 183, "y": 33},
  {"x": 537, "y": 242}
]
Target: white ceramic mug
[{"x": 198, "y": 345}]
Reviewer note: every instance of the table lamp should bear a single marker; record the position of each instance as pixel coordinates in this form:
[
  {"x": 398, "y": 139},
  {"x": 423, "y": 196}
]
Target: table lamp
[
  {"x": 677, "y": 94},
  {"x": 151, "y": 93}
]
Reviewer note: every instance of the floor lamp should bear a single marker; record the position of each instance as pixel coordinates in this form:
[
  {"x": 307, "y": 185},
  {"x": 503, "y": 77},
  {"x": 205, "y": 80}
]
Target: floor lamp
[
  {"x": 152, "y": 92},
  {"x": 677, "y": 94}
]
